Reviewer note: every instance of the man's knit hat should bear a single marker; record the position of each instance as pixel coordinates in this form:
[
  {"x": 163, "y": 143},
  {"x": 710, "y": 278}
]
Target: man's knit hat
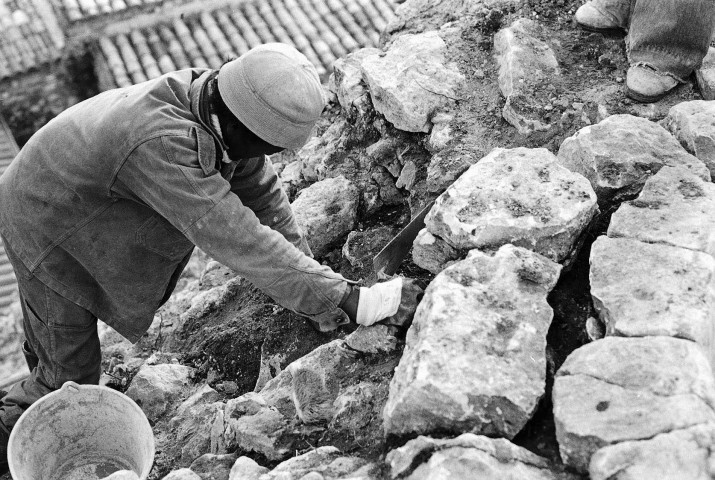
[{"x": 275, "y": 91}]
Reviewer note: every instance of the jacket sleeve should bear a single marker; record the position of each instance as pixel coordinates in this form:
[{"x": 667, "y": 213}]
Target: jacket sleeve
[
  {"x": 259, "y": 188},
  {"x": 167, "y": 174}
]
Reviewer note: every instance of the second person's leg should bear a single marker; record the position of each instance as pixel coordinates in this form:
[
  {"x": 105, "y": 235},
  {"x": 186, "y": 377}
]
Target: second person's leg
[{"x": 667, "y": 40}]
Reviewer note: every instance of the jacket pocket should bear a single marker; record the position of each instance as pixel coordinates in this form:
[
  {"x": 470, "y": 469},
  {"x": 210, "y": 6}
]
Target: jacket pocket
[{"x": 159, "y": 236}]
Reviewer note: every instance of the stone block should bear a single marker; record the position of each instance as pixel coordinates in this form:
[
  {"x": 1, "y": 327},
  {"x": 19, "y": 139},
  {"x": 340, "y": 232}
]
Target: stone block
[{"x": 474, "y": 357}]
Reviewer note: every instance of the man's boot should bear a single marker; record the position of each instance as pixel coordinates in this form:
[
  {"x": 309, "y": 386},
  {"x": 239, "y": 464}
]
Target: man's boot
[
  {"x": 646, "y": 84},
  {"x": 605, "y": 16}
]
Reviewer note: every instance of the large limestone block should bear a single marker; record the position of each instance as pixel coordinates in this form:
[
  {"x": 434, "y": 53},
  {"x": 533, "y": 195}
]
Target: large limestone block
[
  {"x": 474, "y": 356},
  {"x": 469, "y": 456},
  {"x": 326, "y": 211},
  {"x": 322, "y": 463},
  {"x": 322, "y": 153},
  {"x": 528, "y": 70},
  {"x": 154, "y": 387},
  {"x": 412, "y": 81},
  {"x": 675, "y": 207},
  {"x": 349, "y": 85},
  {"x": 687, "y": 454},
  {"x": 693, "y": 124},
  {"x": 520, "y": 196},
  {"x": 705, "y": 75},
  {"x": 253, "y": 425},
  {"x": 642, "y": 289},
  {"x": 622, "y": 389},
  {"x": 620, "y": 153}
]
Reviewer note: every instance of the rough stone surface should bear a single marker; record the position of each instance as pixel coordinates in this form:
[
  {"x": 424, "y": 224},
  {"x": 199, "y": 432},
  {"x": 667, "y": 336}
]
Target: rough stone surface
[
  {"x": 527, "y": 68},
  {"x": 420, "y": 15},
  {"x": 154, "y": 387},
  {"x": 469, "y": 456},
  {"x": 349, "y": 85},
  {"x": 620, "y": 153},
  {"x": 432, "y": 253},
  {"x": 253, "y": 425},
  {"x": 326, "y": 211},
  {"x": 687, "y": 454},
  {"x": 193, "y": 429},
  {"x": 621, "y": 389},
  {"x": 318, "y": 153},
  {"x": 412, "y": 81},
  {"x": 441, "y": 133},
  {"x": 322, "y": 463},
  {"x": 520, "y": 196},
  {"x": 182, "y": 474},
  {"x": 361, "y": 246},
  {"x": 246, "y": 469},
  {"x": 693, "y": 124},
  {"x": 705, "y": 75},
  {"x": 474, "y": 356},
  {"x": 213, "y": 467},
  {"x": 445, "y": 168},
  {"x": 642, "y": 289},
  {"x": 373, "y": 339},
  {"x": 674, "y": 208},
  {"x": 306, "y": 395}
]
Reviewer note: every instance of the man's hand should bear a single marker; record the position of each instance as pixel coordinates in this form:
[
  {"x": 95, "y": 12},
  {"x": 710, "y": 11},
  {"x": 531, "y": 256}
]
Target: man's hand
[{"x": 393, "y": 302}]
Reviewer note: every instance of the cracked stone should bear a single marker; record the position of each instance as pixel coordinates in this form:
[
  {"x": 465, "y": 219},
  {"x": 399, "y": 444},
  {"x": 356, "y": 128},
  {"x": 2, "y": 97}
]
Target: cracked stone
[
  {"x": 620, "y": 153},
  {"x": 675, "y": 207},
  {"x": 474, "y": 356},
  {"x": 470, "y": 456},
  {"x": 519, "y": 196},
  {"x": 686, "y": 454},
  {"x": 693, "y": 125},
  {"x": 641, "y": 289},
  {"x": 412, "y": 81},
  {"x": 626, "y": 389}
]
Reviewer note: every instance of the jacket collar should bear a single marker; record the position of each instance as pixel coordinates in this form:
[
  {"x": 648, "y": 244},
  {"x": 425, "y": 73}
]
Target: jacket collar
[{"x": 199, "y": 103}]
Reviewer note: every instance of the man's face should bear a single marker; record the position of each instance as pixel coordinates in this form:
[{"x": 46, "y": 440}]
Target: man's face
[{"x": 243, "y": 144}]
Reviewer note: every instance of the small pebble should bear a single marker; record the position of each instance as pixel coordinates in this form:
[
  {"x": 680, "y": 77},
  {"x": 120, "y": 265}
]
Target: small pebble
[{"x": 619, "y": 79}]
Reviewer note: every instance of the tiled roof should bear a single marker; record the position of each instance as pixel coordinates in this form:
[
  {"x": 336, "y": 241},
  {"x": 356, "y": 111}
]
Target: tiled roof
[
  {"x": 323, "y": 30},
  {"x": 76, "y": 10},
  {"x": 8, "y": 150},
  {"x": 30, "y": 35}
]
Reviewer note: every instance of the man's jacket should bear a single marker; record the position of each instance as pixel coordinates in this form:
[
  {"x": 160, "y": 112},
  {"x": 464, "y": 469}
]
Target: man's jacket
[{"x": 106, "y": 202}]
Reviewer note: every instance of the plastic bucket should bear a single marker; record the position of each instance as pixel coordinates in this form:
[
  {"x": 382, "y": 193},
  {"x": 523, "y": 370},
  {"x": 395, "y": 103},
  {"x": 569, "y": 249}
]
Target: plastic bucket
[{"x": 82, "y": 432}]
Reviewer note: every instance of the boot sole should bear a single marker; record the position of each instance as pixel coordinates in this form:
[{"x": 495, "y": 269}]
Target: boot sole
[{"x": 604, "y": 30}]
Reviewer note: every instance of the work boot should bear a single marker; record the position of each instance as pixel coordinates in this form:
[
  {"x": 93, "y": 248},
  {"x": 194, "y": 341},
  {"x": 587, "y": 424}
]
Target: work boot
[
  {"x": 605, "y": 16},
  {"x": 646, "y": 84}
]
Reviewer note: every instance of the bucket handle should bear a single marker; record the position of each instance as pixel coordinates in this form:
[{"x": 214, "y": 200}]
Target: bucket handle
[{"x": 70, "y": 386}]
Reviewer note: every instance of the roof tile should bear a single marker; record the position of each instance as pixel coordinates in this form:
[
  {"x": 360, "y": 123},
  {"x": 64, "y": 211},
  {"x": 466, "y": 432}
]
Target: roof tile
[
  {"x": 323, "y": 30},
  {"x": 30, "y": 36}
]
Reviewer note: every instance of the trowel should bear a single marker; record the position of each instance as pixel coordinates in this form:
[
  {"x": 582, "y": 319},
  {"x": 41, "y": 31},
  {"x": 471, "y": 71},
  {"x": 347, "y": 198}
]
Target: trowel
[{"x": 386, "y": 263}]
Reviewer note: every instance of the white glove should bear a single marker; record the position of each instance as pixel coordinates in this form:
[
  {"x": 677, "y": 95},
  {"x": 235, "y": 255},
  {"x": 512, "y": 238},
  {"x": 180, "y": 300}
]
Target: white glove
[{"x": 378, "y": 302}]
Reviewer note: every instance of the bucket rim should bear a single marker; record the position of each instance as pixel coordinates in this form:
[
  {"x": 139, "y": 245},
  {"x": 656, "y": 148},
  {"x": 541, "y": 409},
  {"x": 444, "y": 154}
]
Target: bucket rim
[{"x": 70, "y": 386}]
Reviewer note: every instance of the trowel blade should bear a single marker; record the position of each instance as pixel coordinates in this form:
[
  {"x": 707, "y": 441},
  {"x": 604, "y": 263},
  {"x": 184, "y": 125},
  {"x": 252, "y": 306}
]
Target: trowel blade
[{"x": 391, "y": 256}]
